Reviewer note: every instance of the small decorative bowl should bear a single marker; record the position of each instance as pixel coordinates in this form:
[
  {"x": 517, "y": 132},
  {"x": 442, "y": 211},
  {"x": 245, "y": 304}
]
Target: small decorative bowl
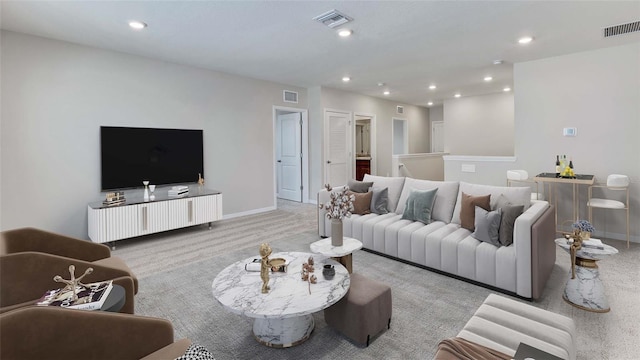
[{"x": 328, "y": 272}]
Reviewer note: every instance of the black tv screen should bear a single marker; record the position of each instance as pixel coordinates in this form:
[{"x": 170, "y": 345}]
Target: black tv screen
[{"x": 161, "y": 156}]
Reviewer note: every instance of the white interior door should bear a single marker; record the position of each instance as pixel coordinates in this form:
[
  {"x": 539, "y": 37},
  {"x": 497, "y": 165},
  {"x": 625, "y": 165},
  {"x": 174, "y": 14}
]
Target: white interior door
[
  {"x": 437, "y": 136},
  {"x": 400, "y": 137},
  {"x": 289, "y": 156},
  {"x": 337, "y": 148}
]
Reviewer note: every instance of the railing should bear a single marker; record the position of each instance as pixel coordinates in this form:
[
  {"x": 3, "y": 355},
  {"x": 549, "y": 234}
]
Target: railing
[{"x": 426, "y": 166}]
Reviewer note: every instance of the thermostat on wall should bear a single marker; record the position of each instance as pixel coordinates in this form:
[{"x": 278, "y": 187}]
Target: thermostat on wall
[{"x": 571, "y": 131}]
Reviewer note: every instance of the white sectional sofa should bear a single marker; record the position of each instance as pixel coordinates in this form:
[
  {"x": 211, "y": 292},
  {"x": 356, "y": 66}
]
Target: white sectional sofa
[{"x": 521, "y": 268}]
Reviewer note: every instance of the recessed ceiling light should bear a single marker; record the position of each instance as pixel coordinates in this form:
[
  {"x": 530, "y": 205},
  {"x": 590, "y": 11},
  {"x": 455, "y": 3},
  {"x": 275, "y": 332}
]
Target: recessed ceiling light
[
  {"x": 386, "y": 92},
  {"x": 497, "y": 62},
  {"x": 381, "y": 84},
  {"x": 430, "y": 103},
  {"x": 457, "y": 95},
  {"x": 506, "y": 89},
  {"x": 432, "y": 87},
  {"x": 488, "y": 78},
  {"x": 345, "y": 32},
  {"x": 346, "y": 79},
  {"x": 525, "y": 40},
  {"x": 138, "y": 25}
]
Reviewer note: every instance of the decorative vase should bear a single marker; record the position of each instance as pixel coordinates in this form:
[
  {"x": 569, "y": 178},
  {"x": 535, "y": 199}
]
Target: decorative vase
[
  {"x": 336, "y": 232},
  {"x": 583, "y": 234}
]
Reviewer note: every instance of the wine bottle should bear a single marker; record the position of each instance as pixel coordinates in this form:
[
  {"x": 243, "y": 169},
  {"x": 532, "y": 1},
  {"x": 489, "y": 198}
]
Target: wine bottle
[
  {"x": 570, "y": 163},
  {"x": 557, "y": 165}
]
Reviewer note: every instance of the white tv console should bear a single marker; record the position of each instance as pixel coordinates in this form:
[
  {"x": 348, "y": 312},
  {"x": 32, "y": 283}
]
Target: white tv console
[{"x": 142, "y": 215}]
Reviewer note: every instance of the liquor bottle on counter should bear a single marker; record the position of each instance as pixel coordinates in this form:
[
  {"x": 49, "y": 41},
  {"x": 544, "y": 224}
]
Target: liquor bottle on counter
[
  {"x": 571, "y": 163},
  {"x": 557, "y": 165}
]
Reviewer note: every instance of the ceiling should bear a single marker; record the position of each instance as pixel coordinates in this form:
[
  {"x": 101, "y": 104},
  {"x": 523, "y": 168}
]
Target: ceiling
[{"x": 407, "y": 45}]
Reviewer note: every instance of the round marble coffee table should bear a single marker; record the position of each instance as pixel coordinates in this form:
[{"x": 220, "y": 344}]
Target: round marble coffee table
[
  {"x": 343, "y": 254},
  {"x": 283, "y": 317},
  {"x": 586, "y": 291}
]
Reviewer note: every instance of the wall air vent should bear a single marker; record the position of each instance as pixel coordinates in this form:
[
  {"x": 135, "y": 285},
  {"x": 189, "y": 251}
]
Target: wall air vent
[
  {"x": 333, "y": 18},
  {"x": 290, "y": 96},
  {"x": 621, "y": 29},
  {"x": 400, "y": 109}
]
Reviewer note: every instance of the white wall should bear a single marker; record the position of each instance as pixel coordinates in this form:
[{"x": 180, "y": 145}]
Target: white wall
[
  {"x": 479, "y": 125},
  {"x": 56, "y": 95},
  {"x": 599, "y": 93}
]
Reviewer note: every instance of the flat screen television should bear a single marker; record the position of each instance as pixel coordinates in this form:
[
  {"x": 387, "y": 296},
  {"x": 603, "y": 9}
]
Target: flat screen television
[{"x": 130, "y": 156}]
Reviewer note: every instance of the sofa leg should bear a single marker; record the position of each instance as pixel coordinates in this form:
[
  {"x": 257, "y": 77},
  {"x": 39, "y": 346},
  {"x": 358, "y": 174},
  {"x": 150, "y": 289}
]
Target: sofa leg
[
  {"x": 368, "y": 337},
  {"x": 389, "y": 324}
]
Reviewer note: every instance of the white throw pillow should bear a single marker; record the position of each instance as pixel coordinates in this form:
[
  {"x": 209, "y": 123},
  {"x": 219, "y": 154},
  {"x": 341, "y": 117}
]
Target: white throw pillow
[
  {"x": 445, "y": 197},
  {"x": 515, "y": 195},
  {"x": 393, "y": 183}
]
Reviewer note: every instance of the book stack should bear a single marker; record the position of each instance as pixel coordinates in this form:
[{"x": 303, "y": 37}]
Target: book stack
[
  {"x": 178, "y": 190},
  {"x": 90, "y": 296},
  {"x": 114, "y": 198}
]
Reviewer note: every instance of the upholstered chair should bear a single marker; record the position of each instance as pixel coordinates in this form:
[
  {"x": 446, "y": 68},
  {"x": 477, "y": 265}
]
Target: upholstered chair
[{"x": 32, "y": 239}]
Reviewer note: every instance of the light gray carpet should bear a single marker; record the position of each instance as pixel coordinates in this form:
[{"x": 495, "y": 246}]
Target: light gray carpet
[{"x": 176, "y": 271}]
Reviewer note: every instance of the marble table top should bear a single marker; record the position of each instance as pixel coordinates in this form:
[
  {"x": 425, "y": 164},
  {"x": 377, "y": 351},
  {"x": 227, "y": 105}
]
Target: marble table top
[
  {"x": 239, "y": 291},
  {"x": 587, "y": 252},
  {"x": 324, "y": 247}
]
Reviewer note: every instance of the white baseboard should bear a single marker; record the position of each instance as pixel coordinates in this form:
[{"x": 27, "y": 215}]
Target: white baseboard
[
  {"x": 250, "y": 212},
  {"x": 312, "y": 201}
]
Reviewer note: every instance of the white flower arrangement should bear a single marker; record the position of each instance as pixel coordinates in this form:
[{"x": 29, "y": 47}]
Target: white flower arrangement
[
  {"x": 583, "y": 225},
  {"x": 340, "y": 204}
]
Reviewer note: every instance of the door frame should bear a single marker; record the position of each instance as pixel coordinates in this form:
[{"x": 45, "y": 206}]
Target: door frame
[
  {"x": 351, "y": 147},
  {"x": 432, "y": 142},
  {"x": 304, "y": 114},
  {"x": 405, "y": 134},
  {"x": 372, "y": 140}
]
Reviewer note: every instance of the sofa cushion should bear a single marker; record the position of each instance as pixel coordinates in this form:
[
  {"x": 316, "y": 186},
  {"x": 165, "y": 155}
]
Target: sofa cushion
[
  {"x": 516, "y": 195},
  {"x": 379, "y": 200},
  {"x": 445, "y": 198},
  {"x": 419, "y": 205},
  {"x": 509, "y": 215},
  {"x": 359, "y": 186},
  {"x": 487, "y": 225},
  {"x": 393, "y": 183},
  {"x": 361, "y": 203},
  {"x": 468, "y": 209}
]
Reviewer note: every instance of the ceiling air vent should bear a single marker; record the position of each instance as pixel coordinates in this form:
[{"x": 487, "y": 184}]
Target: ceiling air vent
[
  {"x": 621, "y": 29},
  {"x": 333, "y": 18},
  {"x": 400, "y": 109},
  {"x": 290, "y": 96}
]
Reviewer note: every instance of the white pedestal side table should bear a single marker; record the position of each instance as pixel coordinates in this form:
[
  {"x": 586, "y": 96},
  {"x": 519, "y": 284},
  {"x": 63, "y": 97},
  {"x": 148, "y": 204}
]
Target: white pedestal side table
[
  {"x": 283, "y": 316},
  {"x": 343, "y": 254},
  {"x": 586, "y": 290}
]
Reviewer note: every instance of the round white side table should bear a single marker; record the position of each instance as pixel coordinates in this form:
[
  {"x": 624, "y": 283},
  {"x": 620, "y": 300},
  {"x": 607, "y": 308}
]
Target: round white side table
[
  {"x": 342, "y": 254},
  {"x": 586, "y": 290}
]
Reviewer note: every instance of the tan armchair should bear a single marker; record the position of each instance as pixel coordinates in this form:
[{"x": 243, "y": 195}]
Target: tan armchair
[
  {"x": 56, "y": 333},
  {"x": 32, "y": 239},
  {"x": 26, "y": 276}
]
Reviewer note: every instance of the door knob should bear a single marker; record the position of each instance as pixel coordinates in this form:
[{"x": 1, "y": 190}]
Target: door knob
[
  {"x": 279, "y": 161},
  {"x": 328, "y": 161}
]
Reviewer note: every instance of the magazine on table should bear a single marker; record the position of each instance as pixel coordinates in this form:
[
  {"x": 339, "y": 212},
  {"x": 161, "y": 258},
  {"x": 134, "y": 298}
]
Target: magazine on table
[{"x": 90, "y": 296}]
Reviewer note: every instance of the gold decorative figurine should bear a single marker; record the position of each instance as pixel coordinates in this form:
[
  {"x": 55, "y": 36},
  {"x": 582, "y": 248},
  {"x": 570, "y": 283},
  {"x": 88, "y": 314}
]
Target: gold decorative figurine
[
  {"x": 265, "y": 251},
  {"x": 575, "y": 246},
  {"x": 73, "y": 282},
  {"x": 200, "y": 179}
]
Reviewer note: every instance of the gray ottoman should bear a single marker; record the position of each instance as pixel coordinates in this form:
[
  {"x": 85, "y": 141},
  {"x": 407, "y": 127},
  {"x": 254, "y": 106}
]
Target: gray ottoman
[
  {"x": 502, "y": 324},
  {"x": 363, "y": 312}
]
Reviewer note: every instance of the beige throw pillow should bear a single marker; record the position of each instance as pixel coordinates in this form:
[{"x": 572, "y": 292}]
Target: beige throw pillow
[
  {"x": 362, "y": 203},
  {"x": 468, "y": 209}
]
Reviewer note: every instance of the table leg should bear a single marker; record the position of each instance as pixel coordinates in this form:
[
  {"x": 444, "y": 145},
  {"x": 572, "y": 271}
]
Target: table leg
[
  {"x": 586, "y": 291},
  {"x": 283, "y": 333},
  {"x": 346, "y": 261}
]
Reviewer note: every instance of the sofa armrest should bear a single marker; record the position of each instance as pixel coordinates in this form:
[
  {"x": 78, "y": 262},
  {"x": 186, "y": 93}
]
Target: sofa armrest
[
  {"x": 32, "y": 239},
  {"x": 56, "y": 333},
  {"x": 522, "y": 244},
  {"x": 323, "y": 198},
  {"x": 543, "y": 251}
]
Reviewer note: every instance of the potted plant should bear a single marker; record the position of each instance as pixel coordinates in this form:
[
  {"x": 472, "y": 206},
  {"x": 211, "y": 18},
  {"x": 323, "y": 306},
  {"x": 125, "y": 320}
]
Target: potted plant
[
  {"x": 584, "y": 227},
  {"x": 338, "y": 207}
]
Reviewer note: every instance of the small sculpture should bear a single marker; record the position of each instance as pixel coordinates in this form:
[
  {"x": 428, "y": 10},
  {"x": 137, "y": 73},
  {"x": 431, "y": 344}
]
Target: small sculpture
[
  {"x": 265, "y": 251},
  {"x": 200, "y": 179},
  {"x": 307, "y": 269},
  {"x": 575, "y": 246},
  {"x": 73, "y": 283}
]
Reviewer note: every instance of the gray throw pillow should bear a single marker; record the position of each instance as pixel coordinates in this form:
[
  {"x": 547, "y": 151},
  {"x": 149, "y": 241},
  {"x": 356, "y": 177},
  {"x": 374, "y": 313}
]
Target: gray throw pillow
[
  {"x": 419, "y": 205},
  {"x": 509, "y": 215},
  {"x": 487, "y": 224},
  {"x": 379, "y": 200},
  {"x": 359, "y": 186}
]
